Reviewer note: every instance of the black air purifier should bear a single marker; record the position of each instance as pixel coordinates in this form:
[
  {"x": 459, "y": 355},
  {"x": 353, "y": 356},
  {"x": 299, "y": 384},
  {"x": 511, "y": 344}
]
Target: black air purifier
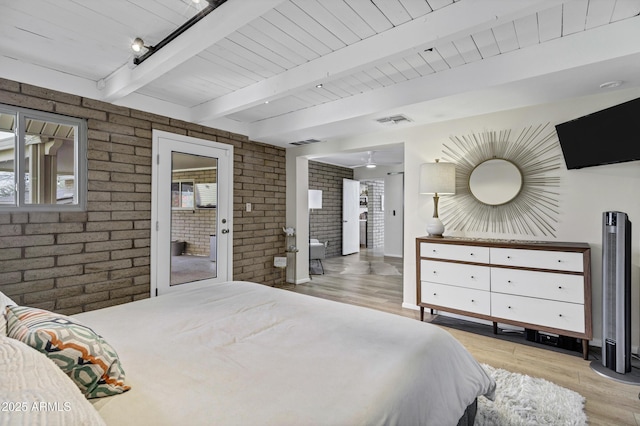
[{"x": 616, "y": 292}]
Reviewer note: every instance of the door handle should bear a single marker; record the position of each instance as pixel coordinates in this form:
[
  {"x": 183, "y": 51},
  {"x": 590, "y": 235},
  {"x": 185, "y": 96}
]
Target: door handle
[{"x": 225, "y": 231}]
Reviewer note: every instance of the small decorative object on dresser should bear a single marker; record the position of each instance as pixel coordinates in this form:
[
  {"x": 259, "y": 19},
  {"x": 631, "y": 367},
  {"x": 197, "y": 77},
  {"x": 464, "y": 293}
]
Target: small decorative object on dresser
[{"x": 544, "y": 286}]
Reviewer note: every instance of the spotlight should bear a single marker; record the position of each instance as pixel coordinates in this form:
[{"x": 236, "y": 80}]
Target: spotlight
[{"x": 137, "y": 45}]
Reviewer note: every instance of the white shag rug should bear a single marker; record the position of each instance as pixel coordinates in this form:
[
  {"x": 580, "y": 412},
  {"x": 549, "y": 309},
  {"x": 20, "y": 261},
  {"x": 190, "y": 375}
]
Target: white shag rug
[{"x": 524, "y": 400}]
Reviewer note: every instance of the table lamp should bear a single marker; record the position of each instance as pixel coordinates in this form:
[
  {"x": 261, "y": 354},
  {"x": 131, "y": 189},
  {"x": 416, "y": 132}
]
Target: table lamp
[{"x": 437, "y": 179}]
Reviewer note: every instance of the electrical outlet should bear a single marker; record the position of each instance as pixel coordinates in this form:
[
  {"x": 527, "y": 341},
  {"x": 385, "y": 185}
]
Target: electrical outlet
[{"x": 248, "y": 207}]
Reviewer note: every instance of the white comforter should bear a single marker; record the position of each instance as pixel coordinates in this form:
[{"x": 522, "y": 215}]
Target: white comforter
[{"x": 241, "y": 353}]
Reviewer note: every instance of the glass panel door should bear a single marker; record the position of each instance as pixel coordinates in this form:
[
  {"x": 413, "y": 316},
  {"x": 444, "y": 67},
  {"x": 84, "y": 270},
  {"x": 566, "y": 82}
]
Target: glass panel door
[
  {"x": 193, "y": 224},
  {"x": 191, "y": 212}
]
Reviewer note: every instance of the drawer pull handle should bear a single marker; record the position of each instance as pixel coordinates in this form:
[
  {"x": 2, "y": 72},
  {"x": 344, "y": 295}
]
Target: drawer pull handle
[
  {"x": 472, "y": 301},
  {"x": 470, "y": 254},
  {"x": 560, "y": 287},
  {"x": 434, "y": 294},
  {"x": 559, "y": 260},
  {"x": 509, "y": 281},
  {"x": 559, "y": 315},
  {"x": 508, "y": 257},
  {"x": 435, "y": 272},
  {"x": 509, "y": 307},
  {"x": 472, "y": 277}
]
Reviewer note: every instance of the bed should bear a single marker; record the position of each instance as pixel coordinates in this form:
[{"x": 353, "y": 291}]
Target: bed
[{"x": 241, "y": 353}]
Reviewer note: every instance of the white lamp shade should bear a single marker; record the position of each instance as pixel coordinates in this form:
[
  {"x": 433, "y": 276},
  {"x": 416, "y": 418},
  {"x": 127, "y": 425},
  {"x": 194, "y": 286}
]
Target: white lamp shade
[
  {"x": 315, "y": 198},
  {"x": 438, "y": 178}
]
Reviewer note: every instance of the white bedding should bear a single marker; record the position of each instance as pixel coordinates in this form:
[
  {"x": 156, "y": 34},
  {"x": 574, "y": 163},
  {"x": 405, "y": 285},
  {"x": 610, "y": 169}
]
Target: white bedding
[
  {"x": 35, "y": 392},
  {"x": 240, "y": 353}
]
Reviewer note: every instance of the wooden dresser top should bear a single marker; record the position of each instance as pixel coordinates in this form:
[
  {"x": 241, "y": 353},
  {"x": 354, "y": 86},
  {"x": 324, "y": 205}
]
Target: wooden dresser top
[{"x": 522, "y": 244}]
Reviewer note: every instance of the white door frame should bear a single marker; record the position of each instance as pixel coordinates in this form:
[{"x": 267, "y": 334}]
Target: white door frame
[{"x": 161, "y": 230}]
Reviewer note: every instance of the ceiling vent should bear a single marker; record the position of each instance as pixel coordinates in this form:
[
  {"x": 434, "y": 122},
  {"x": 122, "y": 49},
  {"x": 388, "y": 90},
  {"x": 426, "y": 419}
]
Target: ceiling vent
[
  {"x": 306, "y": 142},
  {"x": 394, "y": 119}
]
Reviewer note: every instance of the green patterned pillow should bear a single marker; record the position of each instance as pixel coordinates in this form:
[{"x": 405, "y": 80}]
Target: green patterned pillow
[{"x": 82, "y": 354}]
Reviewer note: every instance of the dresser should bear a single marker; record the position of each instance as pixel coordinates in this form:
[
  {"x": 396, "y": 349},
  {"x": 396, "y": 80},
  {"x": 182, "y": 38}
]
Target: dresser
[{"x": 543, "y": 286}]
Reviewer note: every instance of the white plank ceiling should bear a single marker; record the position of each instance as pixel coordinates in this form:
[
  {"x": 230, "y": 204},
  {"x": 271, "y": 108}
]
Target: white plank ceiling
[{"x": 281, "y": 71}]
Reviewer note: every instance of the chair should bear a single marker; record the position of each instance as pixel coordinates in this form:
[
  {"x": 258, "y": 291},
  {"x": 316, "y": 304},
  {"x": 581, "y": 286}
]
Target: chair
[{"x": 317, "y": 252}]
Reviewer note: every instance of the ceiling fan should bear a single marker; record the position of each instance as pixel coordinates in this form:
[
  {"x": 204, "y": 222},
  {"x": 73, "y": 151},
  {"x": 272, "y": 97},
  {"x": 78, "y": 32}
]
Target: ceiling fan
[{"x": 369, "y": 162}]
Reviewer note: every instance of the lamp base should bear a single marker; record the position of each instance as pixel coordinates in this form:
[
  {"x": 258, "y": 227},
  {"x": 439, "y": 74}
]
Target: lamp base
[{"x": 435, "y": 227}]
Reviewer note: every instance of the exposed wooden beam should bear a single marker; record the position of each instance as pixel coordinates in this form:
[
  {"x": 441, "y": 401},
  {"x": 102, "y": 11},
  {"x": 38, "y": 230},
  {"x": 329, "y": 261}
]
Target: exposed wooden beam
[
  {"x": 218, "y": 24},
  {"x": 590, "y": 48},
  {"x": 445, "y": 24}
]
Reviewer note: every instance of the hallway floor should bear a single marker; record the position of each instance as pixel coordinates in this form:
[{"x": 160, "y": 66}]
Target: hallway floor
[{"x": 367, "y": 278}]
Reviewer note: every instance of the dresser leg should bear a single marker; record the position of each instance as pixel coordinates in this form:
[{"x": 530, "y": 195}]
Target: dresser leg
[
  {"x": 421, "y": 313},
  {"x": 495, "y": 328},
  {"x": 585, "y": 349}
]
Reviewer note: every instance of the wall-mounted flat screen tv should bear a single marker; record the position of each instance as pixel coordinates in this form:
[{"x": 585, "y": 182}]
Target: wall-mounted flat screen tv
[{"x": 604, "y": 137}]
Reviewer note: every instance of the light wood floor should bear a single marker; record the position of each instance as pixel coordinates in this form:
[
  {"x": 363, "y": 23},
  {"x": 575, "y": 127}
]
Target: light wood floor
[{"x": 608, "y": 402}]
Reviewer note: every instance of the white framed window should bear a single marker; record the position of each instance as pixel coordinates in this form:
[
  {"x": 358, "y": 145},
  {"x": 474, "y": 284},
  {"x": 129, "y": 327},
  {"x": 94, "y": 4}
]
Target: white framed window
[
  {"x": 182, "y": 195},
  {"x": 43, "y": 161}
]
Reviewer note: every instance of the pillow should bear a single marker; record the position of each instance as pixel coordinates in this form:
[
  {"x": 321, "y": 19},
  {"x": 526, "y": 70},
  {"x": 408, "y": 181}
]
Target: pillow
[
  {"x": 85, "y": 356},
  {"x": 37, "y": 392},
  {"x": 4, "y": 302}
]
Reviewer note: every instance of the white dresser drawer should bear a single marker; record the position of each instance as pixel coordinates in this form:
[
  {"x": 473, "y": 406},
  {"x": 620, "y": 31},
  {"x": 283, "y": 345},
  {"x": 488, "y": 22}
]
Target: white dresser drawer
[
  {"x": 543, "y": 285},
  {"x": 458, "y": 274},
  {"x": 455, "y": 252},
  {"x": 540, "y": 259},
  {"x": 464, "y": 299},
  {"x": 546, "y": 313}
]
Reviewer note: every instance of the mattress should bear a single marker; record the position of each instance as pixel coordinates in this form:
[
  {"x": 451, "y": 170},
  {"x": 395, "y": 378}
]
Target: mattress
[{"x": 240, "y": 353}]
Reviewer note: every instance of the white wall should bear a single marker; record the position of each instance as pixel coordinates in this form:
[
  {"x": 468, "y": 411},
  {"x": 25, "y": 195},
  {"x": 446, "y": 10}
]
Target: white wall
[{"x": 584, "y": 193}]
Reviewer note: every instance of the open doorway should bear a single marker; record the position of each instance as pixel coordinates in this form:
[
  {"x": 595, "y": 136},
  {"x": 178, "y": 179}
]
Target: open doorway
[
  {"x": 326, "y": 173},
  {"x": 371, "y": 214}
]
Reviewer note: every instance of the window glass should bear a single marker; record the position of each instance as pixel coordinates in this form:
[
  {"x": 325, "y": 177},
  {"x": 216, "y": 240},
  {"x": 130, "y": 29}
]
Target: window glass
[
  {"x": 175, "y": 194},
  {"x": 50, "y": 153},
  {"x": 187, "y": 195},
  {"x": 182, "y": 195},
  {"x": 39, "y": 161},
  {"x": 7, "y": 159}
]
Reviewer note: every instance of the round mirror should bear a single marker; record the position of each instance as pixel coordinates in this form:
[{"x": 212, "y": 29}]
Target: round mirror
[{"x": 495, "y": 182}]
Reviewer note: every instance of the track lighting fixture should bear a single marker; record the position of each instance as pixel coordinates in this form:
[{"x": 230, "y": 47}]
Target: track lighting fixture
[{"x": 138, "y": 45}]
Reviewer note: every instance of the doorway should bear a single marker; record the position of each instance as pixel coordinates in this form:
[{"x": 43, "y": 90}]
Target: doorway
[{"x": 191, "y": 238}]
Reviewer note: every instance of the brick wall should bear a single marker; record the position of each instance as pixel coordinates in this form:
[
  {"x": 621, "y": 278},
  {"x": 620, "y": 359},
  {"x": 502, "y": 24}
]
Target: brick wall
[
  {"x": 196, "y": 225},
  {"x": 73, "y": 262},
  {"x": 326, "y": 224}
]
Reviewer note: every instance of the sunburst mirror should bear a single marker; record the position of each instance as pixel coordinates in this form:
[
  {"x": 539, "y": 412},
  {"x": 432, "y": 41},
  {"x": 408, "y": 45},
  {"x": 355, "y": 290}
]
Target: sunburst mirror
[{"x": 505, "y": 184}]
